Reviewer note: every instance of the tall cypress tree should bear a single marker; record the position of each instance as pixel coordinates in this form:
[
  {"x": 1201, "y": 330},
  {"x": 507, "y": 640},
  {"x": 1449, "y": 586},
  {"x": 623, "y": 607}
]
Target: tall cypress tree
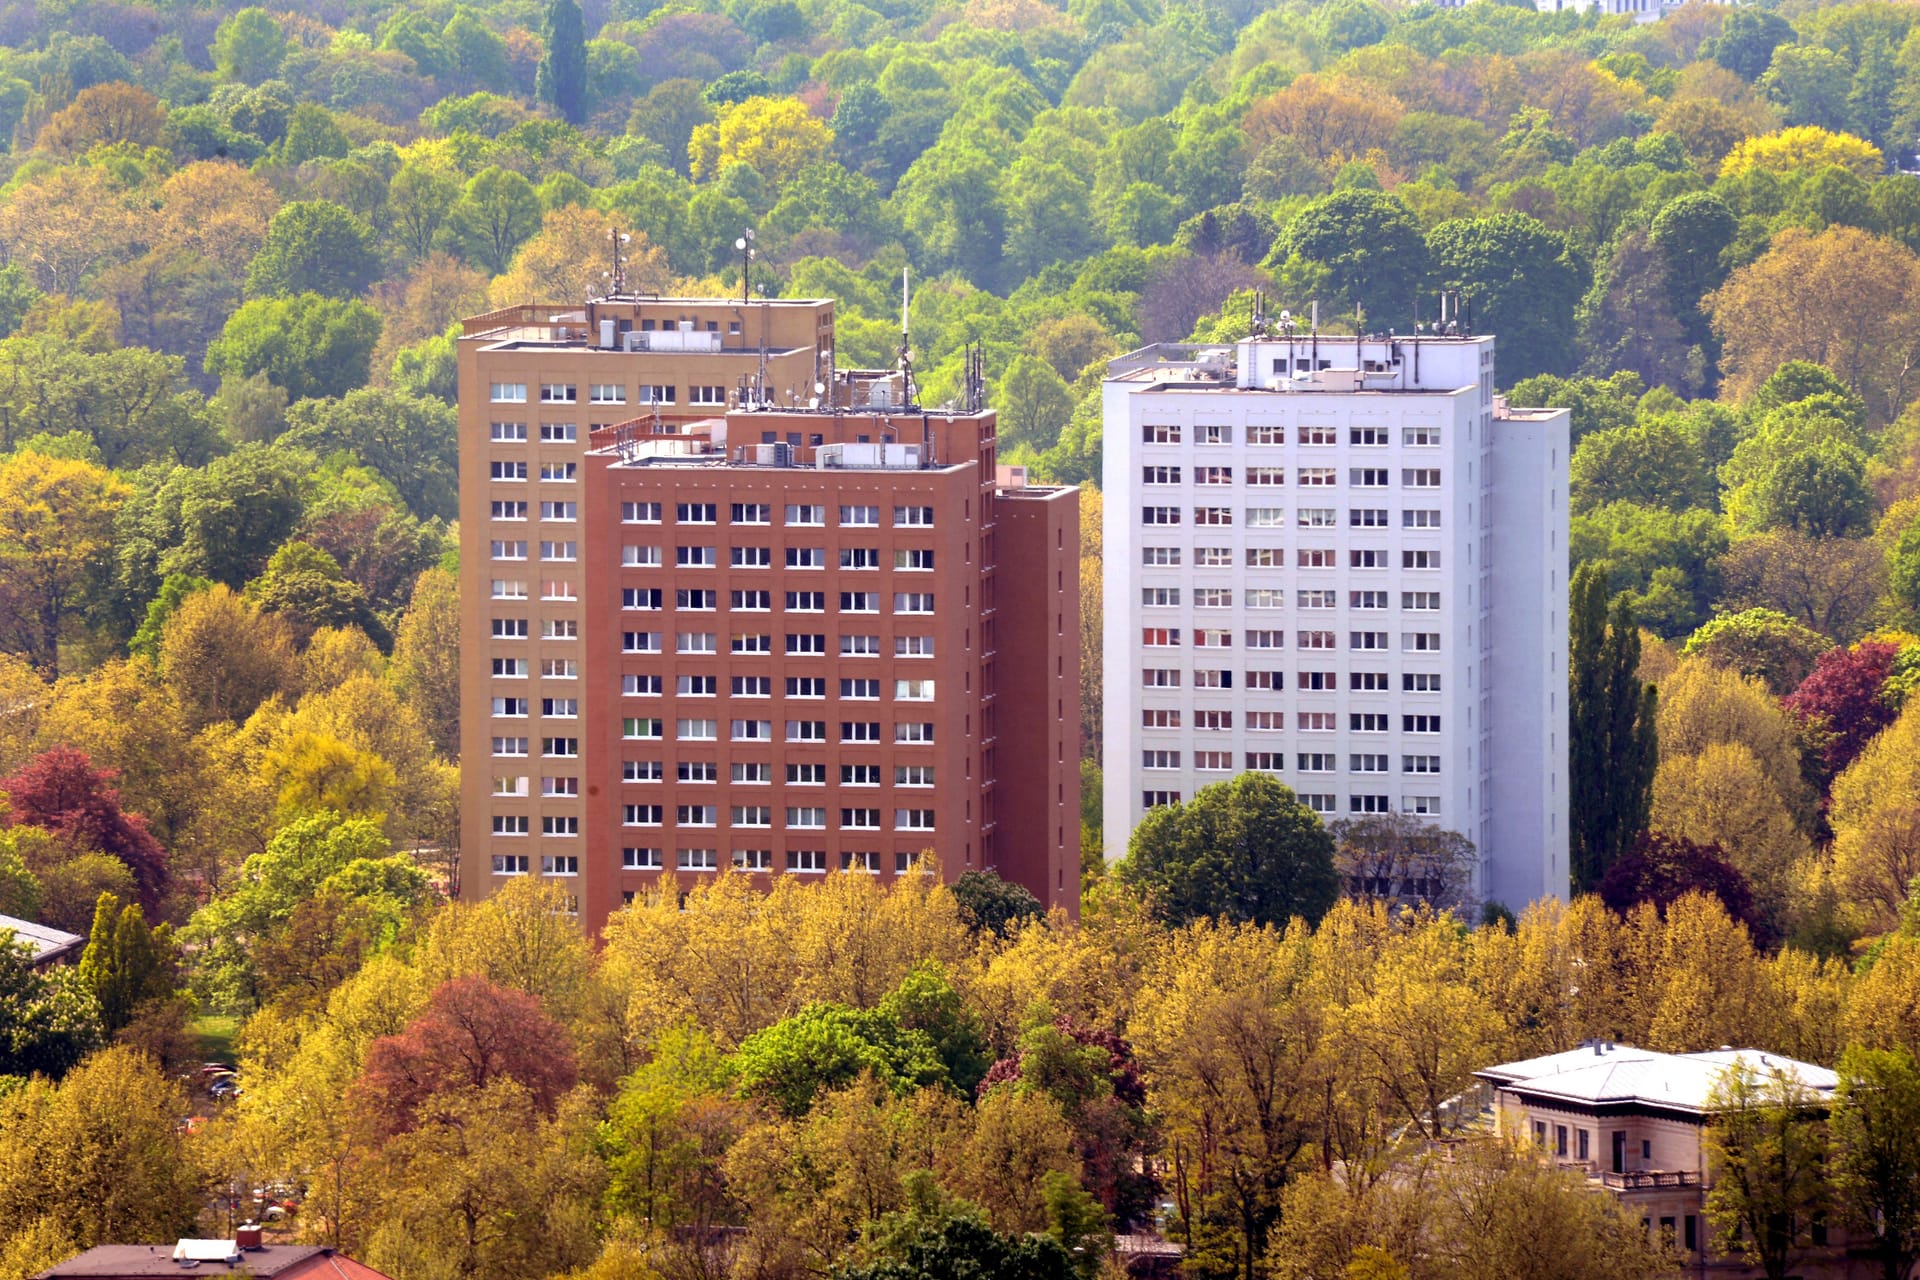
[
  {"x": 561, "y": 80},
  {"x": 1612, "y": 751}
]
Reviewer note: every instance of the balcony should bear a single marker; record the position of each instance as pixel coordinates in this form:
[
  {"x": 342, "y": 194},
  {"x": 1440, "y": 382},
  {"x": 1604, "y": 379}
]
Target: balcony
[{"x": 1650, "y": 1179}]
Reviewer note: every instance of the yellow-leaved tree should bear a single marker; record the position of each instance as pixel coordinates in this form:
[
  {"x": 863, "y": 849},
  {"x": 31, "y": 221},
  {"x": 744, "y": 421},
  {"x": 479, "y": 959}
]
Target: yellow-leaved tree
[
  {"x": 567, "y": 261},
  {"x": 777, "y": 136},
  {"x": 1876, "y": 821},
  {"x": 1803, "y": 149},
  {"x": 56, "y": 531}
]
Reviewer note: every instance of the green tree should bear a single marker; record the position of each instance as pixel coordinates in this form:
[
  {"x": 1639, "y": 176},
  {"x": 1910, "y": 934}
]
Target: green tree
[
  {"x": 313, "y": 246},
  {"x": 1524, "y": 281},
  {"x": 411, "y": 441},
  {"x": 496, "y": 213},
  {"x": 1371, "y": 247},
  {"x": 419, "y": 201},
  {"x": 127, "y": 963},
  {"x": 1821, "y": 491},
  {"x": 828, "y": 1046},
  {"x": 304, "y": 585},
  {"x": 1875, "y": 1160},
  {"x": 313, "y": 346},
  {"x": 249, "y": 46},
  {"x": 1245, "y": 850},
  {"x": 1034, "y": 403},
  {"x": 49, "y": 1020},
  {"x": 1612, "y": 754},
  {"x": 426, "y": 658},
  {"x": 1766, "y": 1152},
  {"x": 561, "y": 81},
  {"x": 988, "y": 902}
]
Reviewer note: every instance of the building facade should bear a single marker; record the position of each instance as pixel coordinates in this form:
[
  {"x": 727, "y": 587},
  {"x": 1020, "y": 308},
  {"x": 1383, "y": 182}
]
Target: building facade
[
  {"x": 1341, "y": 561},
  {"x": 782, "y": 638},
  {"x": 1634, "y": 1122}
]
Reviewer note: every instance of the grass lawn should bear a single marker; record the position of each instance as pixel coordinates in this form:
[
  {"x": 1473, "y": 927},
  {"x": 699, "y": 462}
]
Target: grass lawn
[{"x": 215, "y": 1033}]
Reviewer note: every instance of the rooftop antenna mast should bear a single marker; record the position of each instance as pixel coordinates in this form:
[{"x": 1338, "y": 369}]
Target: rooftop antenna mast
[
  {"x": 976, "y": 382},
  {"x": 907, "y": 391},
  {"x": 747, "y": 254},
  {"x": 618, "y": 276}
]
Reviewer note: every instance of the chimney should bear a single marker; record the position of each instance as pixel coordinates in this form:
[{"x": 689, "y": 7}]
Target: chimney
[{"x": 248, "y": 1236}]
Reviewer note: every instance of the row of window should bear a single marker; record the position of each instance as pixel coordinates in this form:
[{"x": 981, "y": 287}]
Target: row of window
[
  {"x": 756, "y": 600},
  {"x": 695, "y": 729},
  {"x": 1306, "y": 681},
  {"x": 550, "y": 433},
  {"x": 1304, "y": 517},
  {"x": 1357, "y": 641},
  {"x": 603, "y": 393},
  {"x": 906, "y": 559},
  {"x": 797, "y": 645},
  {"x": 744, "y": 773},
  {"x": 1324, "y": 802},
  {"x": 858, "y": 689},
  {"x": 798, "y": 818},
  {"x": 514, "y": 510},
  {"x": 651, "y": 859},
  {"x": 548, "y": 473},
  {"x": 799, "y": 514},
  {"x": 558, "y": 552},
  {"x": 1304, "y": 762},
  {"x": 1305, "y": 477},
  {"x": 1276, "y": 598},
  {"x": 1276, "y": 558},
  {"x": 1276, "y": 721},
  {"x": 1222, "y": 434}
]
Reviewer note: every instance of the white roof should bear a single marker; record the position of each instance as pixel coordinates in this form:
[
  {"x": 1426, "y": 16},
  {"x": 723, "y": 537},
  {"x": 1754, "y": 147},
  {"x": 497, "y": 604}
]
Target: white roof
[
  {"x": 206, "y": 1251},
  {"x": 1605, "y": 1073},
  {"x": 42, "y": 939}
]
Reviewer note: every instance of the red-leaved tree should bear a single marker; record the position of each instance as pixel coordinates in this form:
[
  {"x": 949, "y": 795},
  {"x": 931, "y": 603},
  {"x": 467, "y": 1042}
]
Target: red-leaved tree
[
  {"x": 1661, "y": 869},
  {"x": 1841, "y": 701},
  {"x": 61, "y": 791},
  {"x": 470, "y": 1034}
]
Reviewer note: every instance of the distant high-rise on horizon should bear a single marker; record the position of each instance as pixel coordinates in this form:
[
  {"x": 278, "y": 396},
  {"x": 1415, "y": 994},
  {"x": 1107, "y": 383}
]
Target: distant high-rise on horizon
[
  {"x": 1342, "y": 561},
  {"x": 728, "y": 606}
]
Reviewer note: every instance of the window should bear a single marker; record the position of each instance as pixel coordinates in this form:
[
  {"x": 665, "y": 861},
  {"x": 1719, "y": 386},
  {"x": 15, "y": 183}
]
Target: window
[
  {"x": 913, "y": 733},
  {"x": 640, "y": 771},
  {"x": 1419, "y": 437},
  {"x": 1425, "y": 806},
  {"x": 1367, "y": 436},
  {"x": 1419, "y": 764},
  {"x": 1212, "y": 638},
  {"x": 744, "y": 643},
  {"x": 753, "y": 859},
  {"x": 860, "y": 557},
  {"x": 913, "y": 775},
  {"x": 868, "y": 861},
  {"x": 1420, "y": 477},
  {"x": 1159, "y": 678},
  {"x": 1366, "y": 764},
  {"x": 1425, "y": 600},
  {"x": 1160, "y": 597},
  {"x": 639, "y": 513},
  {"x": 1367, "y": 722},
  {"x": 806, "y": 602},
  {"x": 510, "y": 824},
  {"x": 640, "y": 860},
  {"x": 511, "y": 708},
  {"x": 913, "y": 602},
  {"x": 1319, "y": 681},
  {"x": 806, "y": 558},
  {"x": 1367, "y": 477},
  {"x": 1266, "y": 517},
  {"x": 1315, "y": 762},
  {"x": 1159, "y": 515},
  {"x": 558, "y": 393},
  {"x": 1420, "y": 682},
  {"x": 806, "y": 731},
  {"x": 606, "y": 393},
  {"x": 1369, "y": 681},
  {"x": 509, "y": 746},
  {"x": 1160, "y": 557},
  {"x": 499, "y": 470},
  {"x": 1319, "y": 435},
  {"x": 507, "y": 550},
  {"x": 509, "y": 511},
  {"x": 755, "y": 601},
  {"x": 1213, "y": 721},
  {"x": 863, "y": 689},
  {"x": 556, "y": 589},
  {"x": 559, "y": 826},
  {"x": 515, "y": 786},
  {"x": 1369, "y": 804},
  {"x": 696, "y": 512},
  {"x": 1420, "y": 724},
  {"x": 696, "y": 815},
  {"x": 1366, "y": 640},
  {"x": 806, "y": 686},
  {"x": 509, "y": 432},
  {"x": 1366, "y": 558},
  {"x": 806, "y": 644},
  {"x": 1266, "y": 435},
  {"x": 640, "y": 728},
  {"x": 1317, "y": 477},
  {"x": 510, "y": 667},
  {"x": 1213, "y": 475},
  {"x": 751, "y": 513},
  {"x": 509, "y": 589},
  {"x": 639, "y": 642},
  {"x": 1266, "y": 721},
  {"x": 510, "y": 864},
  {"x": 801, "y": 513},
  {"x": 1418, "y": 519},
  {"x": 640, "y": 598},
  {"x": 560, "y": 551},
  {"x": 508, "y": 393},
  {"x": 859, "y": 775},
  {"x": 1316, "y": 640},
  {"x": 557, "y": 433},
  {"x": 656, "y": 393},
  {"x": 696, "y": 599},
  {"x": 1213, "y": 515},
  {"x": 1367, "y": 518},
  {"x": 1315, "y": 558},
  {"x": 1157, "y": 799},
  {"x": 560, "y": 708},
  {"x": 1266, "y": 639},
  {"x": 1266, "y": 761},
  {"x": 913, "y": 690},
  {"x": 1213, "y": 761},
  {"x": 752, "y": 557},
  {"x": 1317, "y": 518},
  {"x": 557, "y": 472},
  {"x": 1419, "y": 559},
  {"x": 913, "y": 819},
  {"x": 913, "y": 560},
  {"x": 860, "y": 517},
  {"x": 859, "y": 602},
  {"x": 697, "y": 730},
  {"x": 807, "y": 775},
  {"x": 1272, "y": 681},
  {"x": 859, "y": 819},
  {"x": 1367, "y": 599},
  {"x": 1316, "y": 598},
  {"x": 697, "y": 859},
  {"x": 1159, "y": 718},
  {"x": 632, "y": 557},
  {"x": 913, "y": 517},
  {"x": 1213, "y": 434},
  {"x": 1210, "y": 597},
  {"x": 1420, "y": 641},
  {"x": 1266, "y": 476},
  {"x": 1159, "y": 433},
  {"x": 1212, "y": 557},
  {"x": 695, "y": 771},
  {"x": 1160, "y": 475},
  {"x": 696, "y": 557}
]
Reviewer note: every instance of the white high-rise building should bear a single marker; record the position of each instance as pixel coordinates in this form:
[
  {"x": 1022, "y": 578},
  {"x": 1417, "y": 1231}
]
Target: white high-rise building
[{"x": 1342, "y": 561}]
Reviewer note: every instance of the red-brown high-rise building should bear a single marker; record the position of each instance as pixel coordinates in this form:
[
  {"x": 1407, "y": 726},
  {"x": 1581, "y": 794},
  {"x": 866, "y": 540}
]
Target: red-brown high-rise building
[{"x": 783, "y": 640}]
